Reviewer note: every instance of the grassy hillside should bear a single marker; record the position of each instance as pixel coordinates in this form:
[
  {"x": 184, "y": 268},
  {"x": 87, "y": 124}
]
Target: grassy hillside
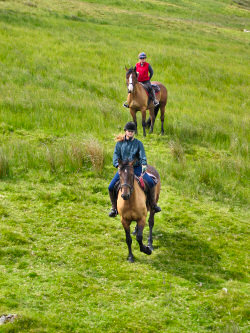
[{"x": 63, "y": 261}]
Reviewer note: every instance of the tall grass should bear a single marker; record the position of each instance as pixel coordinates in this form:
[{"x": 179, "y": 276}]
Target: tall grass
[
  {"x": 57, "y": 157},
  {"x": 4, "y": 166}
]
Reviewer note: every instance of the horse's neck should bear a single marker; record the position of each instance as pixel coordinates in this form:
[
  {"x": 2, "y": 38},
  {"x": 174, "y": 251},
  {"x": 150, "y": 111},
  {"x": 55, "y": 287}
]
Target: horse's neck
[
  {"x": 138, "y": 88},
  {"x": 137, "y": 94},
  {"x": 137, "y": 193}
]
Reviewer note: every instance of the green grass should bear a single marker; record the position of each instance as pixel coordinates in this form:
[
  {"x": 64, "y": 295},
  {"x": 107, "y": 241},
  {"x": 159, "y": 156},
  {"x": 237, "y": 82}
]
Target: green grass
[{"x": 63, "y": 262}]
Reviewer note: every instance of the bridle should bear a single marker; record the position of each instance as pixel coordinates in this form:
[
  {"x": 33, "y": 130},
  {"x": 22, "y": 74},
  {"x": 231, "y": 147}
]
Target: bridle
[
  {"x": 131, "y": 83},
  {"x": 131, "y": 187}
]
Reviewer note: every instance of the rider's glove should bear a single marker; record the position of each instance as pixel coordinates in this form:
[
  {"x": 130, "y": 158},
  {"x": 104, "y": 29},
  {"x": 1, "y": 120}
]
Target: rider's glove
[{"x": 144, "y": 168}]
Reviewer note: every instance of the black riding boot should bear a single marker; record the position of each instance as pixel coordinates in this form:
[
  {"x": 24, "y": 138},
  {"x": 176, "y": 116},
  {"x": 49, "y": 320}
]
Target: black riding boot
[
  {"x": 113, "y": 200},
  {"x": 152, "y": 203},
  {"x": 125, "y": 104}
]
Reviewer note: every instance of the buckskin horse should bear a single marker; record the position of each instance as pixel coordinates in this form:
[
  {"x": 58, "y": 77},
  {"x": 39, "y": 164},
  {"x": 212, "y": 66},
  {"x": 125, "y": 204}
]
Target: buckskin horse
[
  {"x": 138, "y": 101},
  {"x": 132, "y": 206}
]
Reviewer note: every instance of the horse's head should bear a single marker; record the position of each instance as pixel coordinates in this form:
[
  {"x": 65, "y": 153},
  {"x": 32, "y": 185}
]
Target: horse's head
[
  {"x": 131, "y": 79},
  {"x": 126, "y": 173}
]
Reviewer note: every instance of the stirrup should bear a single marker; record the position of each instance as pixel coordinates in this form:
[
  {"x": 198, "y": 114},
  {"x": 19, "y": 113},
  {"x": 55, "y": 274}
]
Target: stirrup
[
  {"x": 113, "y": 213},
  {"x": 126, "y": 105}
]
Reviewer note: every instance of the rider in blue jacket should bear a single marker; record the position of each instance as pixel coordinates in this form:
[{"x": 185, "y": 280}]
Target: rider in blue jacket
[{"x": 128, "y": 148}]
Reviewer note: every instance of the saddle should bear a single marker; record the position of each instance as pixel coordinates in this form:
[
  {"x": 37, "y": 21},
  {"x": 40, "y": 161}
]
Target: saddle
[
  {"x": 141, "y": 182},
  {"x": 154, "y": 86}
]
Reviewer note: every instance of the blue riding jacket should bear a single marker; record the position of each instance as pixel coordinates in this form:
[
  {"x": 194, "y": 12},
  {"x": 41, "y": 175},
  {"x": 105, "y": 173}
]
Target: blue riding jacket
[{"x": 129, "y": 150}]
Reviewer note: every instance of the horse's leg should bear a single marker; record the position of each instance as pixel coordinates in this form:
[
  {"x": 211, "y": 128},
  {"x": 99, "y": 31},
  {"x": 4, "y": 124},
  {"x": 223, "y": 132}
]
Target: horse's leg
[
  {"x": 148, "y": 122},
  {"x": 152, "y": 116},
  {"x": 151, "y": 225},
  {"x": 133, "y": 114},
  {"x": 143, "y": 116},
  {"x": 139, "y": 236},
  {"x": 162, "y": 107},
  {"x": 156, "y": 109},
  {"x": 126, "y": 226}
]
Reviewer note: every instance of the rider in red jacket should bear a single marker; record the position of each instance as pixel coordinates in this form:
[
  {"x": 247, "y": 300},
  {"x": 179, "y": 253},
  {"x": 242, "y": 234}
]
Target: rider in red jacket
[{"x": 145, "y": 74}]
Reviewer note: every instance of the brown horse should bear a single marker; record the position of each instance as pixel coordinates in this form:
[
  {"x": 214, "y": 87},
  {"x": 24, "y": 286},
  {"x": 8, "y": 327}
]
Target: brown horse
[
  {"x": 138, "y": 101},
  {"x": 131, "y": 206}
]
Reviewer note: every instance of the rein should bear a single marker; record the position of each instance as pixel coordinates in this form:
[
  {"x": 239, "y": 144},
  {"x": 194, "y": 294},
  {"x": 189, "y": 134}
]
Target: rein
[{"x": 131, "y": 187}]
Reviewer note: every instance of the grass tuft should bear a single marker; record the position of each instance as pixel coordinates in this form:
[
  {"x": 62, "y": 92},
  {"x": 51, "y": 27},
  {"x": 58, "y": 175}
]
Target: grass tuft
[
  {"x": 95, "y": 153},
  {"x": 177, "y": 151}
]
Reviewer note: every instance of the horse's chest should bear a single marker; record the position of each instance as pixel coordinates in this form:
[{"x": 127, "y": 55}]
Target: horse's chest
[
  {"x": 137, "y": 106},
  {"x": 131, "y": 211},
  {"x": 134, "y": 105}
]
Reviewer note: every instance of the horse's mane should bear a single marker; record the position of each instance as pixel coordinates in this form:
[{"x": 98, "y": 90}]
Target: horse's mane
[{"x": 130, "y": 70}]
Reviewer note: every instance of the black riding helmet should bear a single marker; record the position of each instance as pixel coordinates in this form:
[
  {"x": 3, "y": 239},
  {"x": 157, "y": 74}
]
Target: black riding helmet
[{"x": 130, "y": 126}]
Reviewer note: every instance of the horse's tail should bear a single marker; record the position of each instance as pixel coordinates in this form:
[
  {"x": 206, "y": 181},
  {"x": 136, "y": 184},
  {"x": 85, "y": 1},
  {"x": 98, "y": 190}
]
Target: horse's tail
[{"x": 156, "y": 109}]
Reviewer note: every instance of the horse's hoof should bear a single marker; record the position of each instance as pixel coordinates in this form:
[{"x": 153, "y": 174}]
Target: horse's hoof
[
  {"x": 147, "y": 250},
  {"x": 131, "y": 259},
  {"x": 151, "y": 247}
]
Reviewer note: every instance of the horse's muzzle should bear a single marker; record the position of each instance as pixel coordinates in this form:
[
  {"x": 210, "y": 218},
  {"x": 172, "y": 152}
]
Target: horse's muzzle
[{"x": 125, "y": 196}]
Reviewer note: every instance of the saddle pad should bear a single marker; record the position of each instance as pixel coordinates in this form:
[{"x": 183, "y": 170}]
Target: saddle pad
[
  {"x": 142, "y": 184},
  {"x": 156, "y": 88},
  {"x": 153, "y": 177}
]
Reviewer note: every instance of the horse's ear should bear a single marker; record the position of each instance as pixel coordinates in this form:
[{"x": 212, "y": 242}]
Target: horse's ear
[
  {"x": 126, "y": 68},
  {"x": 137, "y": 73},
  {"x": 131, "y": 163},
  {"x": 119, "y": 162}
]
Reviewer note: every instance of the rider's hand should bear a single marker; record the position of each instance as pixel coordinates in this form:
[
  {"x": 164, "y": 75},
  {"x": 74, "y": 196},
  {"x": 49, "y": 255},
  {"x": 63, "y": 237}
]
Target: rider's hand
[{"x": 144, "y": 168}]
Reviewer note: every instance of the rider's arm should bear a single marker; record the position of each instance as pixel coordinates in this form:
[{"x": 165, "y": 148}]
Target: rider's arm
[
  {"x": 117, "y": 155},
  {"x": 151, "y": 72},
  {"x": 143, "y": 158}
]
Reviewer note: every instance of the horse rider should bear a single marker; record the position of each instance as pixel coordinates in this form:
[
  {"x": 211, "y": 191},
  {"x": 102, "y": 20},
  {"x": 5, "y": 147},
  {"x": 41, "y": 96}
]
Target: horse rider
[
  {"x": 146, "y": 72},
  {"x": 128, "y": 148}
]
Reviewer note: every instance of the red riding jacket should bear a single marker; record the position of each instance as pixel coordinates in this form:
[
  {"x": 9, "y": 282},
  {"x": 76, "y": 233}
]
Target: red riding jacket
[{"x": 143, "y": 71}]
